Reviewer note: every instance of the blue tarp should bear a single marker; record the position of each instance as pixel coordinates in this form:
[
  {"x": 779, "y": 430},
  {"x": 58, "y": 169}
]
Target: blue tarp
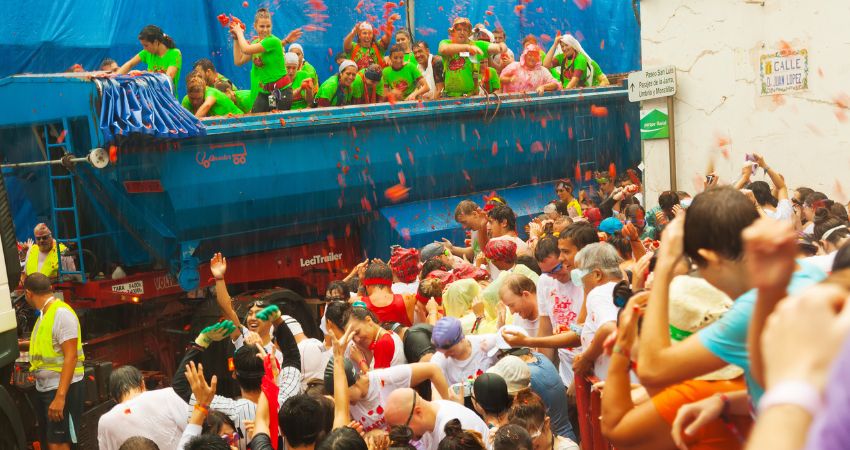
[
  {"x": 143, "y": 104},
  {"x": 48, "y": 36}
]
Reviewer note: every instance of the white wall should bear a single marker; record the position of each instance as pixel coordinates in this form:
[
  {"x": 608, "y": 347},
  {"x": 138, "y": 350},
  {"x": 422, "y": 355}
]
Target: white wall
[{"x": 716, "y": 47}]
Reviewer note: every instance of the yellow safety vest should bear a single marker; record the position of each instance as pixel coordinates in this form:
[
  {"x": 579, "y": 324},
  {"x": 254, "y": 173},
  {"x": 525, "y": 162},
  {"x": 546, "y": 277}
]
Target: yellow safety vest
[
  {"x": 50, "y": 268},
  {"x": 42, "y": 354}
]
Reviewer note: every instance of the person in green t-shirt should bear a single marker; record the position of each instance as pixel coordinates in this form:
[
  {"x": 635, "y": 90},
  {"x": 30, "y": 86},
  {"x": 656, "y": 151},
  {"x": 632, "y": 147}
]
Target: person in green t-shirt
[
  {"x": 344, "y": 88},
  {"x": 461, "y": 59},
  {"x": 371, "y": 79},
  {"x": 490, "y": 81},
  {"x": 573, "y": 67},
  {"x": 204, "y": 101},
  {"x": 401, "y": 80},
  {"x": 303, "y": 65},
  {"x": 159, "y": 53},
  {"x": 303, "y": 89},
  {"x": 268, "y": 70},
  {"x": 366, "y": 50},
  {"x": 402, "y": 38},
  {"x": 211, "y": 76}
]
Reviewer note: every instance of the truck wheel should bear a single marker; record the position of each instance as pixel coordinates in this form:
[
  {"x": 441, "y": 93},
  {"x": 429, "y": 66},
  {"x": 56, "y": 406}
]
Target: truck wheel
[{"x": 8, "y": 438}]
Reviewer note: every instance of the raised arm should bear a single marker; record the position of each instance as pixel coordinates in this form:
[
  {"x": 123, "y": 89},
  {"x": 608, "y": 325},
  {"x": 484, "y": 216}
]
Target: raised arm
[
  {"x": 549, "y": 59},
  {"x": 208, "y": 335},
  {"x": 775, "y": 178},
  {"x": 746, "y": 173},
  {"x": 384, "y": 43},
  {"x": 452, "y": 49},
  {"x": 218, "y": 267},
  {"x": 347, "y": 42},
  {"x": 342, "y": 415},
  {"x": 240, "y": 41},
  {"x": 127, "y": 66}
]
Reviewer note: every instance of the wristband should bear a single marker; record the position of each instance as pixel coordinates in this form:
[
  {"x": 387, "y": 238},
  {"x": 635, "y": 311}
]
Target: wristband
[
  {"x": 204, "y": 409},
  {"x": 792, "y": 392}
]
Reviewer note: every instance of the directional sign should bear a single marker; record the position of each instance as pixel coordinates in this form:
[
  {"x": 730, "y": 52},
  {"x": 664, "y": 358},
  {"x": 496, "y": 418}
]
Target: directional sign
[{"x": 652, "y": 83}]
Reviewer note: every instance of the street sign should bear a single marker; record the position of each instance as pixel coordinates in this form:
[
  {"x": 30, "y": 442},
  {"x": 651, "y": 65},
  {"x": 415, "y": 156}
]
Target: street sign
[
  {"x": 652, "y": 83},
  {"x": 653, "y": 124}
]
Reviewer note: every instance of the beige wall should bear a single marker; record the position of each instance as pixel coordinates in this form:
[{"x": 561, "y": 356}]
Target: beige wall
[{"x": 716, "y": 47}]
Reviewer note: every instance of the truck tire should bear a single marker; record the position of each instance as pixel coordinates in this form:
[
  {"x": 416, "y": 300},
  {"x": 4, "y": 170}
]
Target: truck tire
[
  {"x": 11, "y": 429},
  {"x": 10, "y": 241}
]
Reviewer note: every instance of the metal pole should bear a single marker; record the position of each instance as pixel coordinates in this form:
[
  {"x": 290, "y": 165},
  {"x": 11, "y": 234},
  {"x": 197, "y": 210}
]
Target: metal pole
[
  {"x": 97, "y": 157},
  {"x": 56, "y": 162},
  {"x": 671, "y": 141}
]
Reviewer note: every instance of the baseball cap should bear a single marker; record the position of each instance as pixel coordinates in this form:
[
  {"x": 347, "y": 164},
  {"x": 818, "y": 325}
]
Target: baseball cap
[
  {"x": 461, "y": 20},
  {"x": 351, "y": 374},
  {"x": 514, "y": 371},
  {"x": 491, "y": 392},
  {"x": 610, "y": 225},
  {"x": 448, "y": 331},
  {"x": 501, "y": 344},
  {"x": 431, "y": 251}
]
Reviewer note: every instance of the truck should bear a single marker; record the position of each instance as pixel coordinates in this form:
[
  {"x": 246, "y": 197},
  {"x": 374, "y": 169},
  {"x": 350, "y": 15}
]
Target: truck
[{"x": 143, "y": 194}]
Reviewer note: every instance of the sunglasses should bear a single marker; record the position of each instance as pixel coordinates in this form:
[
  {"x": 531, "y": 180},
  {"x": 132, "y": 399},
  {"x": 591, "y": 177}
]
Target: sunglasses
[
  {"x": 231, "y": 438},
  {"x": 555, "y": 269},
  {"x": 46, "y": 237}
]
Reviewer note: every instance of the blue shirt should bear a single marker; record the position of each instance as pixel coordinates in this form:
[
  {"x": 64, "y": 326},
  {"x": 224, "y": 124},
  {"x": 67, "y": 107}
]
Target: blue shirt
[
  {"x": 546, "y": 382},
  {"x": 727, "y": 338}
]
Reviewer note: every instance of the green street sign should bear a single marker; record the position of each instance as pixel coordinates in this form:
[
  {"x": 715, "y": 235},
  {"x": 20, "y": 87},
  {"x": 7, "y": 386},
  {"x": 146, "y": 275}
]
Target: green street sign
[{"x": 653, "y": 124}]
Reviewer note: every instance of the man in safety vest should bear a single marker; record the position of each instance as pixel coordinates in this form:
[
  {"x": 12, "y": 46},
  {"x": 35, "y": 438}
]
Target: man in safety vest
[
  {"x": 43, "y": 257},
  {"x": 56, "y": 358}
]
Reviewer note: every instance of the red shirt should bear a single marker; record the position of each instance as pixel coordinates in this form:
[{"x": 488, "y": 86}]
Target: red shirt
[
  {"x": 394, "y": 312},
  {"x": 383, "y": 350}
]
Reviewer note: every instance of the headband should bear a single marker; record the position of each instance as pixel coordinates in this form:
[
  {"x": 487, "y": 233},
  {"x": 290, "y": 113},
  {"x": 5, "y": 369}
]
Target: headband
[
  {"x": 346, "y": 64},
  {"x": 829, "y": 232},
  {"x": 296, "y": 45},
  {"x": 423, "y": 299},
  {"x": 359, "y": 304},
  {"x": 377, "y": 282}
]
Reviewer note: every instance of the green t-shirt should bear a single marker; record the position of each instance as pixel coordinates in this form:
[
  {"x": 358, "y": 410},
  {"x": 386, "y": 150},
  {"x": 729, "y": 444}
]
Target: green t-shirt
[
  {"x": 410, "y": 58},
  {"x": 156, "y": 63},
  {"x": 223, "y": 79},
  {"x": 495, "y": 82},
  {"x": 329, "y": 90},
  {"x": 597, "y": 73},
  {"x": 244, "y": 100},
  {"x": 273, "y": 67},
  {"x": 460, "y": 71},
  {"x": 223, "y": 104},
  {"x": 576, "y": 66},
  {"x": 403, "y": 80},
  {"x": 311, "y": 71},
  {"x": 299, "y": 93}
]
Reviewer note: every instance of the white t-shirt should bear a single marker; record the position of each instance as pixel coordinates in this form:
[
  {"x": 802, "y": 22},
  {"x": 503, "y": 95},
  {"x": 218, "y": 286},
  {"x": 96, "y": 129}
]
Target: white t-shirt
[
  {"x": 369, "y": 411},
  {"x": 406, "y": 288},
  {"x": 478, "y": 362},
  {"x": 530, "y": 326},
  {"x": 823, "y": 262},
  {"x": 447, "y": 411},
  {"x": 158, "y": 415},
  {"x": 600, "y": 310},
  {"x": 561, "y": 302},
  {"x": 809, "y": 228},
  {"x": 563, "y": 443},
  {"x": 65, "y": 327},
  {"x": 314, "y": 358},
  {"x": 784, "y": 211}
]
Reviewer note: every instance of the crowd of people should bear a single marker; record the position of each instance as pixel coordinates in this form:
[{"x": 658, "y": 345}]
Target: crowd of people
[
  {"x": 715, "y": 321},
  {"x": 370, "y": 68}
]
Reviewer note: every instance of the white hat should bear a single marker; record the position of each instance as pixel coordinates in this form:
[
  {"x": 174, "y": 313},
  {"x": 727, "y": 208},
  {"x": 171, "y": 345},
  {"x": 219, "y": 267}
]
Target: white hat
[
  {"x": 291, "y": 58},
  {"x": 296, "y": 45},
  {"x": 515, "y": 371},
  {"x": 346, "y": 63},
  {"x": 693, "y": 305},
  {"x": 501, "y": 344}
]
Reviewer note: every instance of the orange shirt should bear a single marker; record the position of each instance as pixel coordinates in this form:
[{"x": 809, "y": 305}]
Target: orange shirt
[{"x": 715, "y": 435}]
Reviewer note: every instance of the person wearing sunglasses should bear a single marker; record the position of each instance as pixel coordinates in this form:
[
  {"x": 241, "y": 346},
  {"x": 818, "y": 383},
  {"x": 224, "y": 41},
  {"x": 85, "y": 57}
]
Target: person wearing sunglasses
[
  {"x": 564, "y": 191},
  {"x": 427, "y": 420},
  {"x": 44, "y": 256}
]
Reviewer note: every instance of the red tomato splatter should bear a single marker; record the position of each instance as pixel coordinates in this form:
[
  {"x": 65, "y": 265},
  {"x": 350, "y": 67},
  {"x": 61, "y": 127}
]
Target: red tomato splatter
[
  {"x": 393, "y": 222},
  {"x": 345, "y": 170},
  {"x": 495, "y": 149},
  {"x": 282, "y": 122},
  {"x": 582, "y": 4},
  {"x": 401, "y": 178},
  {"x": 628, "y": 130},
  {"x": 331, "y": 241},
  {"x": 578, "y": 172},
  {"x": 347, "y": 230},
  {"x": 519, "y": 147},
  {"x": 542, "y": 123},
  {"x": 396, "y": 193},
  {"x": 518, "y": 9},
  {"x": 405, "y": 234},
  {"x": 113, "y": 154},
  {"x": 785, "y": 48},
  {"x": 602, "y": 45},
  {"x": 223, "y": 20},
  {"x": 398, "y": 158},
  {"x": 598, "y": 111},
  {"x": 466, "y": 175},
  {"x": 778, "y": 99},
  {"x": 410, "y": 155},
  {"x": 61, "y": 137},
  {"x": 588, "y": 175},
  {"x": 545, "y": 37},
  {"x": 244, "y": 4},
  {"x": 488, "y": 12},
  {"x": 633, "y": 176},
  {"x": 570, "y": 132},
  {"x": 612, "y": 171},
  {"x": 364, "y": 202},
  {"x": 536, "y": 147}
]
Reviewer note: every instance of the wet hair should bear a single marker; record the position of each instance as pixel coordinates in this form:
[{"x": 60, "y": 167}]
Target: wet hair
[
  {"x": 379, "y": 269},
  {"x": 581, "y": 234},
  {"x": 298, "y": 422},
  {"x": 529, "y": 262},
  {"x": 343, "y": 438},
  {"x": 354, "y": 284},
  {"x": 195, "y": 83},
  {"x": 512, "y": 437},
  {"x": 562, "y": 207},
  {"x": 341, "y": 286},
  {"x": 107, "y": 62},
  {"x": 804, "y": 192},
  {"x": 667, "y": 200},
  {"x": 622, "y": 244},
  {"x": 337, "y": 313},
  {"x": 842, "y": 258},
  {"x": 361, "y": 313},
  {"x": 465, "y": 207},
  {"x": 339, "y": 57},
  {"x": 262, "y": 13},
  {"x": 400, "y": 437},
  {"x": 404, "y": 32},
  {"x": 432, "y": 265},
  {"x": 249, "y": 368},
  {"x": 546, "y": 247},
  {"x": 517, "y": 283},
  {"x": 143, "y": 443},
  {"x": 326, "y": 413},
  {"x": 529, "y": 408},
  {"x": 423, "y": 44},
  {"x": 761, "y": 191},
  {"x": 715, "y": 221},
  {"x": 38, "y": 284},
  {"x": 824, "y": 221},
  {"x": 215, "y": 421},
  {"x": 206, "y": 442},
  {"x": 396, "y": 48},
  {"x": 204, "y": 64},
  {"x": 123, "y": 380},
  {"x": 459, "y": 439},
  {"x": 153, "y": 33},
  {"x": 503, "y": 213},
  {"x": 431, "y": 287}
]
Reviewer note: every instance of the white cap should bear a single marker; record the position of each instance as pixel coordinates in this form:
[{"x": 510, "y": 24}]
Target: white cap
[
  {"x": 346, "y": 64},
  {"x": 291, "y": 58},
  {"x": 296, "y": 45},
  {"x": 501, "y": 344},
  {"x": 515, "y": 371}
]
